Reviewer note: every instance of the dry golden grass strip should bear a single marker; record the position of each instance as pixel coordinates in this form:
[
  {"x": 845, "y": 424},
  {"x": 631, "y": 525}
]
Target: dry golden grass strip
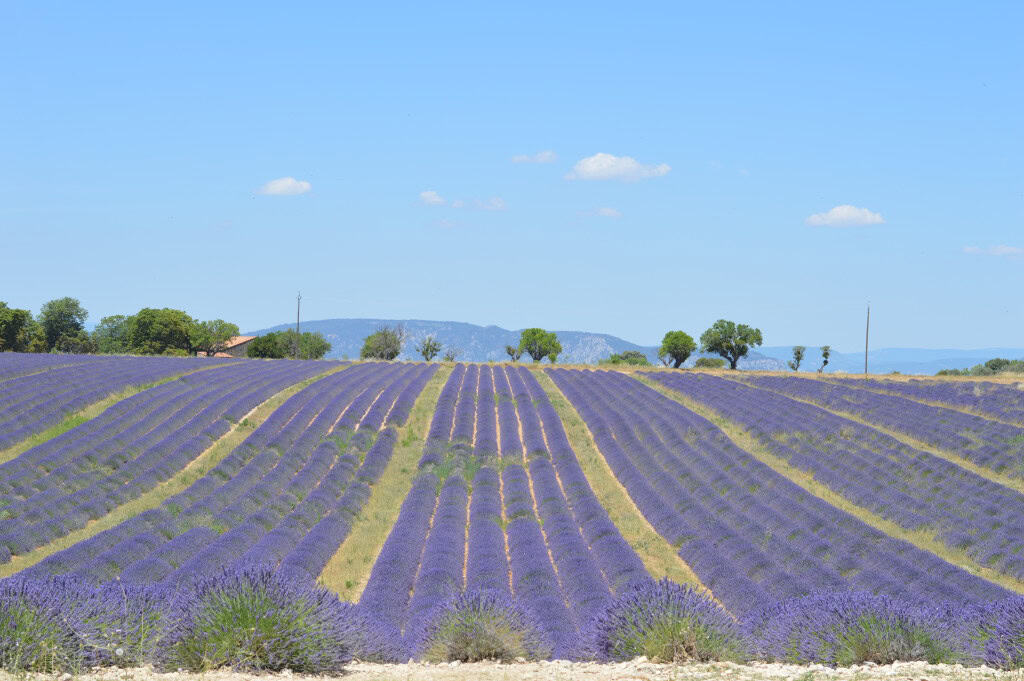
[
  {"x": 197, "y": 468},
  {"x": 349, "y": 568},
  {"x": 922, "y": 539},
  {"x": 657, "y": 554}
]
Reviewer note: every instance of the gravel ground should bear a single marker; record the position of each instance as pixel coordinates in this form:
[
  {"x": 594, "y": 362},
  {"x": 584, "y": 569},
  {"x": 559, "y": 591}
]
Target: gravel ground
[{"x": 638, "y": 670}]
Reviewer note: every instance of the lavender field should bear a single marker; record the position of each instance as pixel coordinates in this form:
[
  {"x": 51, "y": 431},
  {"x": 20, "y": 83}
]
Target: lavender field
[{"x": 784, "y": 497}]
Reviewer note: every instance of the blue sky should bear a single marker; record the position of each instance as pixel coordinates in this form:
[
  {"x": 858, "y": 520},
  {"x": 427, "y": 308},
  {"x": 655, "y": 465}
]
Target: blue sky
[{"x": 778, "y": 164}]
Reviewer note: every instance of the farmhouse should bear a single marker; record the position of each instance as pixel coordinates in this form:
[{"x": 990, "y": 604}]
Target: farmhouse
[{"x": 237, "y": 346}]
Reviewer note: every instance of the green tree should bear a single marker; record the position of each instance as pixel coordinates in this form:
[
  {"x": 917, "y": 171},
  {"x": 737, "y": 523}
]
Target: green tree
[
  {"x": 112, "y": 335},
  {"x": 730, "y": 340},
  {"x": 157, "y": 331},
  {"x": 281, "y": 345},
  {"x": 15, "y": 328},
  {"x": 798, "y": 356},
  {"x": 826, "y": 352},
  {"x": 709, "y": 363},
  {"x": 61, "y": 317},
  {"x": 267, "y": 346},
  {"x": 538, "y": 344},
  {"x": 554, "y": 348},
  {"x": 630, "y": 357},
  {"x": 212, "y": 336},
  {"x": 80, "y": 343},
  {"x": 312, "y": 344},
  {"x": 385, "y": 343},
  {"x": 514, "y": 352},
  {"x": 450, "y": 355},
  {"x": 676, "y": 347},
  {"x": 429, "y": 347},
  {"x": 997, "y": 364}
]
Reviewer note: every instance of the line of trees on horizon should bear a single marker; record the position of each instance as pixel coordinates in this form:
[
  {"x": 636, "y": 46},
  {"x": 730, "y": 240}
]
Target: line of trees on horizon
[
  {"x": 60, "y": 327},
  {"x": 728, "y": 339}
]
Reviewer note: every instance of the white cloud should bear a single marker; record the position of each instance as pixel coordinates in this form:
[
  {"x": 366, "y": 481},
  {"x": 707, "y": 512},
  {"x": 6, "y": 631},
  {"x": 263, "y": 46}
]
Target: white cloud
[
  {"x": 1001, "y": 250},
  {"x": 845, "y": 216},
  {"x": 431, "y": 198},
  {"x": 607, "y": 212},
  {"x": 540, "y": 157},
  {"x": 285, "y": 186},
  {"x": 493, "y": 203},
  {"x": 458, "y": 203},
  {"x": 603, "y": 166}
]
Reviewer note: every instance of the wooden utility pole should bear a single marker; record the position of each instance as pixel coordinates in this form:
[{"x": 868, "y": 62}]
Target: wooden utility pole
[
  {"x": 298, "y": 307},
  {"x": 867, "y": 329}
]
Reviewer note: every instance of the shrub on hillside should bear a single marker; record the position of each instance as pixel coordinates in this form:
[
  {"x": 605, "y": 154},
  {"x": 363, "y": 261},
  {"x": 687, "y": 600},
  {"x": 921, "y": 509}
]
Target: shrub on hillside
[
  {"x": 258, "y": 621},
  {"x": 847, "y": 628},
  {"x": 481, "y": 626},
  {"x": 709, "y": 363},
  {"x": 666, "y": 622}
]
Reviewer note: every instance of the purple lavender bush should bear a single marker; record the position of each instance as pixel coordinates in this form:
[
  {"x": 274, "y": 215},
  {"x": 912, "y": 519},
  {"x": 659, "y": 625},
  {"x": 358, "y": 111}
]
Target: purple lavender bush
[
  {"x": 846, "y": 628},
  {"x": 997, "y": 632},
  {"x": 255, "y": 620},
  {"x": 485, "y": 625},
  {"x": 34, "y": 636},
  {"x": 666, "y": 622},
  {"x": 62, "y": 624}
]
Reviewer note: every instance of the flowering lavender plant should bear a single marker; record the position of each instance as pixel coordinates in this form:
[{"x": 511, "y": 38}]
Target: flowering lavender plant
[
  {"x": 846, "y": 628},
  {"x": 997, "y": 632},
  {"x": 666, "y": 622},
  {"x": 487, "y": 625},
  {"x": 255, "y": 620},
  {"x": 34, "y": 637}
]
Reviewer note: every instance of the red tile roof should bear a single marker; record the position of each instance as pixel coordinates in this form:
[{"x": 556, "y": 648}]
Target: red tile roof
[{"x": 237, "y": 340}]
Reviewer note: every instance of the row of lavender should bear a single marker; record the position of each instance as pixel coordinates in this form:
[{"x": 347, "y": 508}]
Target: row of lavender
[
  {"x": 284, "y": 499},
  {"x": 1004, "y": 401},
  {"x": 13, "y": 364},
  {"x": 751, "y": 535},
  {"x": 31, "y": 403},
  {"x": 493, "y": 510},
  {"x": 912, "y": 488},
  {"x": 983, "y": 441},
  {"x": 57, "y": 487}
]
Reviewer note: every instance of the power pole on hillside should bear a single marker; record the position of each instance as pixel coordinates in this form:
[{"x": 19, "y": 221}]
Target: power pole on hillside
[
  {"x": 867, "y": 329},
  {"x": 298, "y": 307}
]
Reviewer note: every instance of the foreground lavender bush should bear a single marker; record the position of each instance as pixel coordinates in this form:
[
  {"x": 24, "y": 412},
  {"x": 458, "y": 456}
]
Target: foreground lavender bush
[
  {"x": 479, "y": 626},
  {"x": 846, "y": 628},
  {"x": 34, "y": 637},
  {"x": 666, "y": 622},
  {"x": 60, "y": 624},
  {"x": 997, "y": 631},
  {"x": 257, "y": 621}
]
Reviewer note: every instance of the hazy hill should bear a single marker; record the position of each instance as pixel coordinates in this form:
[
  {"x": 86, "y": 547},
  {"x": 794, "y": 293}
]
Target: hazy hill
[
  {"x": 483, "y": 343},
  {"x": 903, "y": 360}
]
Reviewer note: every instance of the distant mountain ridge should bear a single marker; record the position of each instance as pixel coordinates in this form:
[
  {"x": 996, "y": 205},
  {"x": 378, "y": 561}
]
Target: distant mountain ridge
[
  {"x": 904, "y": 360},
  {"x": 484, "y": 343},
  {"x": 487, "y": 343}
]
